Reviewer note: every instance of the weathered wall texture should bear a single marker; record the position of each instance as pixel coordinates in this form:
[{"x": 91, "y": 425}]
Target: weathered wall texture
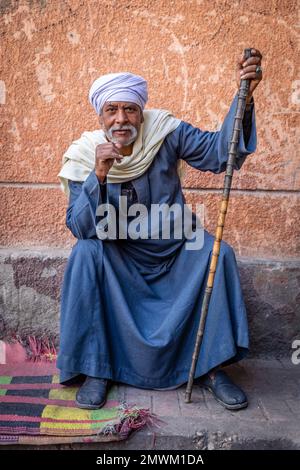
[
  {"x": 186, "y": 49},
  {"x": 30, "y": 282}
]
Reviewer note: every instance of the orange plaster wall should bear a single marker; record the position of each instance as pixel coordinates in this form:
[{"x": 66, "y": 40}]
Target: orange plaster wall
[{"x": 51, "y": 51}]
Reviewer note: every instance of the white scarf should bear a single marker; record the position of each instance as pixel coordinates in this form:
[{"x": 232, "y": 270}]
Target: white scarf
[{"x": 79, "y": 160}]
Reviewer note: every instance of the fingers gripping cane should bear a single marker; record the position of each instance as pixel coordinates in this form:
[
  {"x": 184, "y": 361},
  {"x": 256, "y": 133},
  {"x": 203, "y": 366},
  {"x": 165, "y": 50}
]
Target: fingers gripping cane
[{"x": 243, "y": 92}]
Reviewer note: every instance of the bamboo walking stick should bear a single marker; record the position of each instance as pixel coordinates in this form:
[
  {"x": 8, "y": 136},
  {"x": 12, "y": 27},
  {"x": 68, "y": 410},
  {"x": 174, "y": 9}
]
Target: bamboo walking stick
[{"x": 243, "y": 92}]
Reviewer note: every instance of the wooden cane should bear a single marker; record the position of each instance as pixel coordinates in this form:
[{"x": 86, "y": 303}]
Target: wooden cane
[{"x": 242, "y": 95}]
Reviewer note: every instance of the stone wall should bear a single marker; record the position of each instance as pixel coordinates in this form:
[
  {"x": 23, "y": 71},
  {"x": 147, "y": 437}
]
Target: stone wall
[{"x": 30, "y": 283}]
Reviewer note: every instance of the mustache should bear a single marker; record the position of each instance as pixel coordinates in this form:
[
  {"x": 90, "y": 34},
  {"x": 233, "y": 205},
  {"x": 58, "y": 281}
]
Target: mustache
[
  {"x": 131, "y": 137},
  {"x": 122, "y": 128}
]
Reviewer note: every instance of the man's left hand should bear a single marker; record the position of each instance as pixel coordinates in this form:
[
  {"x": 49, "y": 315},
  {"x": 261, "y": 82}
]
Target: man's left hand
[{"x": 246, "y": 69}]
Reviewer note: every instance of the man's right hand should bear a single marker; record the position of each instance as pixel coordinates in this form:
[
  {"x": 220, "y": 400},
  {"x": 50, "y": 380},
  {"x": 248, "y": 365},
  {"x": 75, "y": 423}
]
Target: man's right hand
[{"x": 104, "y": 159}]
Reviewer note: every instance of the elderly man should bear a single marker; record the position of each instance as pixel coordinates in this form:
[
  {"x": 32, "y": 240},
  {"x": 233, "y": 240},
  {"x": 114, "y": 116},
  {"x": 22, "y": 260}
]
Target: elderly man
[{"x": 130, "y": 306}]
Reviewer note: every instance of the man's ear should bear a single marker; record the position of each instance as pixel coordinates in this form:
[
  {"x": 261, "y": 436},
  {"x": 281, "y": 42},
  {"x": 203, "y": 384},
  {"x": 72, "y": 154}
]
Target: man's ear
[
  {"x": 100, "y": 119},
  {"x": 142, "y": 117}
]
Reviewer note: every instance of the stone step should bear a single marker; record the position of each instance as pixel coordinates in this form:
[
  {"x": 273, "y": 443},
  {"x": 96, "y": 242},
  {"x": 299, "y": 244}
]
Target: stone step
[
  {"x": 30, "y": 281},
  {"x": 271, "y": 420}
]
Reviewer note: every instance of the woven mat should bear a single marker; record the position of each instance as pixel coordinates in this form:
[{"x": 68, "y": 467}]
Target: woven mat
[{"x": 36, "y": 409}]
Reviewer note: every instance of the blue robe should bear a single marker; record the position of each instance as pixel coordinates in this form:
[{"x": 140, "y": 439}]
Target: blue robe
[{"x": 130, "y": 308}]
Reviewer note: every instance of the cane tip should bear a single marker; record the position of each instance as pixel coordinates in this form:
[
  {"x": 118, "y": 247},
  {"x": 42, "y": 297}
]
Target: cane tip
[
  {"x": 248, "y": 52},
  {"x": 187, "y": 398}
]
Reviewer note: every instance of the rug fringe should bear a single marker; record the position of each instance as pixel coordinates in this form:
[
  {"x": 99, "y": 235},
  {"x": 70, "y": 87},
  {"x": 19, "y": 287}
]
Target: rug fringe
[
  {"x": 33, "y": 349},
  {"x": 41, "y": 349},
  {"x": 131, "y": 419}
]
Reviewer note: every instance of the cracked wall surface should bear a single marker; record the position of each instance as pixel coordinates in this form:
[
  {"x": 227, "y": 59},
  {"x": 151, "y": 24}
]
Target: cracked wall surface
[{"x": 51, "y": 51}]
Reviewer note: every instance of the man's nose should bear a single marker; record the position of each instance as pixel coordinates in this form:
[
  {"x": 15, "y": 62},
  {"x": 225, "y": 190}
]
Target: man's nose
[{"x": 121, "y": 117}]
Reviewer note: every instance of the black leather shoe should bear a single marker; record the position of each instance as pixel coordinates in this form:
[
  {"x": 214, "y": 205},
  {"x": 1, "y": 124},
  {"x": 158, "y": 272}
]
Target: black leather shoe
[
  {"x": 92, "y": 394},
  {"x": 224, "y": 390}
]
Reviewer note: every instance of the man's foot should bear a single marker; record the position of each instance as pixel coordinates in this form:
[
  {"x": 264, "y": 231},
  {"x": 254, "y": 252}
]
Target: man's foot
[
  {"x": 92, "y": 394},
  {"x": 224, "y": 390}
]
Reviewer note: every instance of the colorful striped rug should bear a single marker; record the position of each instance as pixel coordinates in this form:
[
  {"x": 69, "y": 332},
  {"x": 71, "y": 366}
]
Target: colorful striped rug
[{"x": 36, "y": 409}]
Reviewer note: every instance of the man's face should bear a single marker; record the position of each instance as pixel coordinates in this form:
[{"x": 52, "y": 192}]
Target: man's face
[{"x": 121, "y": 121}]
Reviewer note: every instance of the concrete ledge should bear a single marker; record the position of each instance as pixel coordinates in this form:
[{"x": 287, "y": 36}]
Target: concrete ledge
[{"x": 30, "y": 281}]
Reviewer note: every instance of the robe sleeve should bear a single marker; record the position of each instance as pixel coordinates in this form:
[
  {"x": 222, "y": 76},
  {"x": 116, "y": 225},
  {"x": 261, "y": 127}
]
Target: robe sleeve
[
  {"x": 84, "y": 199},
  {"x": 208, "y": 151}
]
